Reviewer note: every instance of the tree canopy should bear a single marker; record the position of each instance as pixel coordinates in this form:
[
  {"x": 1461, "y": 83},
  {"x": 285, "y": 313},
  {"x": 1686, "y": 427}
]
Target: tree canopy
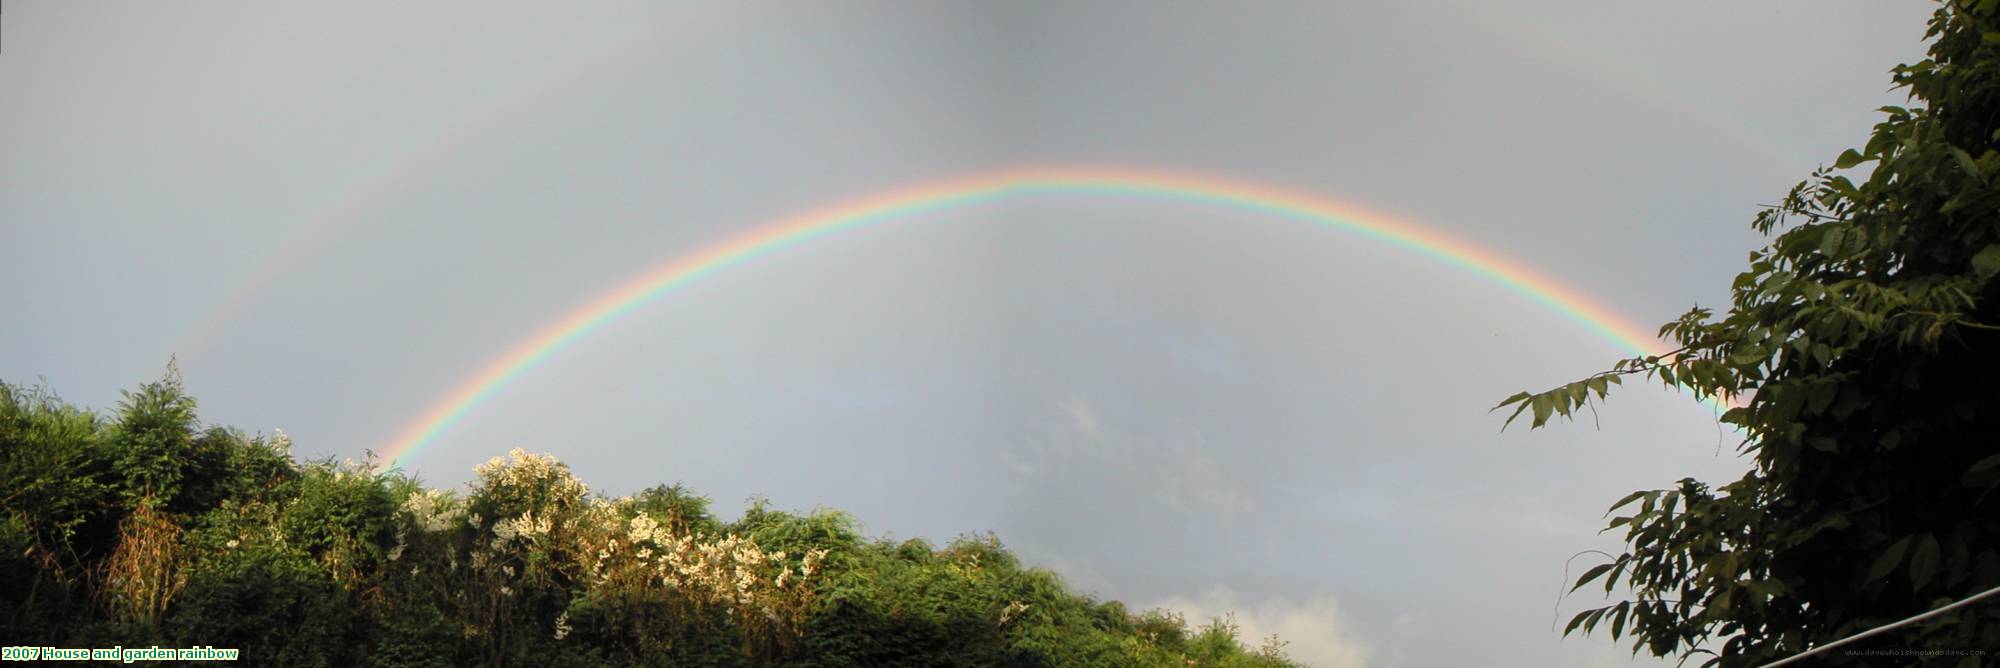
[
  {"x": 144, "y": 528},
  {"x": 1860, "y": 355}
]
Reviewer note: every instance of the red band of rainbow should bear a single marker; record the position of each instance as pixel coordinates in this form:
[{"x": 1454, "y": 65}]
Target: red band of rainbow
[{"x": 905, "y": 204}]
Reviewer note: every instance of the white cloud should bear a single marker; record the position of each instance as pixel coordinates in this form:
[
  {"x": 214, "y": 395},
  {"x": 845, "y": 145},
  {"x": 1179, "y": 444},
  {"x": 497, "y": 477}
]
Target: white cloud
[{"x": 1313, "y": 630}]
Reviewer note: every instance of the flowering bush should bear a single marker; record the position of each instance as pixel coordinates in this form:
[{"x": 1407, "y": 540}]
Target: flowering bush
[{"x": 338, "y": 563}]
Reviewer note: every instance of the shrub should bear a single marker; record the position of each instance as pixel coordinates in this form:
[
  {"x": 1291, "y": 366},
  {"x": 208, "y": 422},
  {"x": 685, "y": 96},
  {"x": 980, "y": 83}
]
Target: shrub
[
  {"x": 279, "y": 607},
  {"x": 147, "y": 531}
]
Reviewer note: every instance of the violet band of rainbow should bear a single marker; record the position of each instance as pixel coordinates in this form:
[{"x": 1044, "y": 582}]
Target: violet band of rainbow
[{"x": 909, "y": 203}]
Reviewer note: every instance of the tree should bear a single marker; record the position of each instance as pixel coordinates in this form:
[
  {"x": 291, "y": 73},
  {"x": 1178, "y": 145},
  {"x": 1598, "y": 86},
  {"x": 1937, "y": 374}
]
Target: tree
[
  {"x": 148, "y": 530},
  {"x": 1861, "y": 353}
]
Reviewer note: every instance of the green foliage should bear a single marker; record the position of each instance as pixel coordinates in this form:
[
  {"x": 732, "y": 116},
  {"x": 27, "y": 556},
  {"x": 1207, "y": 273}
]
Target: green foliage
[
  {"x": 257, "y": 469},
  {"x": 59, "y": 503},
  {"x": 677, "y": 508},
  {"x": 149, "y": 529},
  {"x": 343, "y": 516},
  {"x": 1859, "y": 353},
  {"x": 278, "y": 606},
  {"x": 154, "y": 441}
]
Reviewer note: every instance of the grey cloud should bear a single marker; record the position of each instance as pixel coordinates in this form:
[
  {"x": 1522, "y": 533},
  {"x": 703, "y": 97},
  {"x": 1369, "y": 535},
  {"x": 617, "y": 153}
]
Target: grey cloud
[{"x": 361, "y": 204}]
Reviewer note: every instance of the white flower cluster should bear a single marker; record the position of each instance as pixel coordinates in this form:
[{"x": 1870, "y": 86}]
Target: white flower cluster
[
  {"x": 527, "y": 526},
  {"x": 1012, "y": 610},
  {"x": 966, "y": 565},
  {"x": 643, "y": 528},
  {"x": 547, "y": 528},
  {"x": 645, "y": 557},
  {"x": 347, "y": 466},
  {"x": 433, "y": 510},
  {"x": 521, "y": 469}
]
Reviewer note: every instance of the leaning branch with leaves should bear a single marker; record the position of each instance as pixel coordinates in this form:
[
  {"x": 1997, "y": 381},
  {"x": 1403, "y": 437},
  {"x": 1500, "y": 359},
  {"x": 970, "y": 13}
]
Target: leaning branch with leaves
[{"x": 1860, "y": 361}]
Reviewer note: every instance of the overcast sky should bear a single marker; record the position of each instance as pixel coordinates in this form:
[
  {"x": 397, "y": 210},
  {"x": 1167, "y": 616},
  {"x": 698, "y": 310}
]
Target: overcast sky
[{"x": 335, "y": 213}]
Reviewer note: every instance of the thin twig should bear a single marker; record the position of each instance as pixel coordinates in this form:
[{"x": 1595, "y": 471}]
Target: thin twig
[{"x": 1555, "y": 611}]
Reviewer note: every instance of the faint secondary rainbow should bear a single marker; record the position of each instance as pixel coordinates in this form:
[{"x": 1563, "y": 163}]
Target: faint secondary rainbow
[
  {"x": 402, "y": 167},
  {"x": 909, "y": 203}
]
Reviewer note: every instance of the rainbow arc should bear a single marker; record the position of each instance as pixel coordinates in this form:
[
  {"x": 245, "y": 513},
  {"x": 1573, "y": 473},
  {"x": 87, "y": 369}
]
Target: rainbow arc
[{"x": 912, "y": 203}]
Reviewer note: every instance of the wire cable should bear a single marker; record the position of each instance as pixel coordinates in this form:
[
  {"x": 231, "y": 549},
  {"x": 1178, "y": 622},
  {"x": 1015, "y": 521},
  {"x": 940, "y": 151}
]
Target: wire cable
[{"x": 1969, "y": 600}]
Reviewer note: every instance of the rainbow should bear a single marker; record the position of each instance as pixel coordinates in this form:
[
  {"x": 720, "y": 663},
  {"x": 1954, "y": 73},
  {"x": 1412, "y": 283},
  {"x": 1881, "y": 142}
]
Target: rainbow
[{"x": 909, "y": 203}]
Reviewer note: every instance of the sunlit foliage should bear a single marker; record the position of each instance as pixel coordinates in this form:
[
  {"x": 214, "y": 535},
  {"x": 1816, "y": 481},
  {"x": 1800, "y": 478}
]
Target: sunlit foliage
[{"x": 144, "y": 528}]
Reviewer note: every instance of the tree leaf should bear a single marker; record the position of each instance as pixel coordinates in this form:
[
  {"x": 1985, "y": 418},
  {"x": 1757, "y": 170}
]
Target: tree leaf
[
  {"x": 1503, "y": 404},
  {"x": 1578, "y": 392},
  {"x": 1575, "y": 622},
  {"x": 1629, "y": 498},
  {"x": 1845, "y": 187},
  {"x": 1889, "y": 560},
  {"x": 1924, "y": 561},
  {"x": 1848, "y": 159},
  {"x": 1517, "y": 413},
  {"x": 1592, "y": 574},
  {"x": 1829, "y": 243},
  {"x": 1982, "y": 471},
  {"x": 1986, "y": 262},
  {"x": 1965, "y": 162}
]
